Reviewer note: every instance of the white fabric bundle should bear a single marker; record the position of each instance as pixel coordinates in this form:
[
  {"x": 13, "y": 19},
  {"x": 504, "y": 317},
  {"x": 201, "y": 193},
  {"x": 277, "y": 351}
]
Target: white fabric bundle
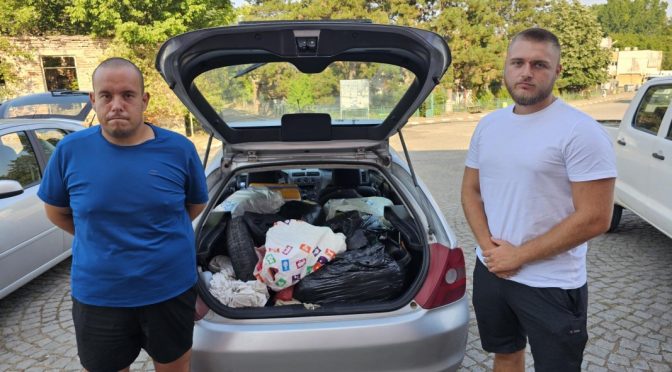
[{"x": 294, "y": 249}]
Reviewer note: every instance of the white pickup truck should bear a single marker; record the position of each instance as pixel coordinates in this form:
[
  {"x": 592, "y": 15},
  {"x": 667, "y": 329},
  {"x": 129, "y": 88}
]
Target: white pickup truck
[{"x": 643, "y": 144}]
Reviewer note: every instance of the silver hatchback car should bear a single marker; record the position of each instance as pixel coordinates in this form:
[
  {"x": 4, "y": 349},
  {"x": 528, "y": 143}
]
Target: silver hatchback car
[
  {"x": 29, "y": 243},
  {"x": 304, "y": 111}
]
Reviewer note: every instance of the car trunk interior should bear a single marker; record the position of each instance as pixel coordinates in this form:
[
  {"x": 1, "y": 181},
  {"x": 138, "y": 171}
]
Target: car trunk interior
[{"x": 298, "y": 242}]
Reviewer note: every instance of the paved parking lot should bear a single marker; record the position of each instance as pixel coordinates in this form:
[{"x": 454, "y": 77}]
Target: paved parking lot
[
  {"x": 630, "y": 286},
  {"x": 629, "y": 276}
]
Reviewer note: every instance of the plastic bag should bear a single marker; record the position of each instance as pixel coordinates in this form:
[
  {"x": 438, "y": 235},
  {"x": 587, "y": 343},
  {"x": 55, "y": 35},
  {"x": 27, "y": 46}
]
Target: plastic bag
[
  {"x": 363, "y": 275},
  {"x": 359, "y": 228},
  {"x": 373, "y": 205},
  {"x": 232, "y": 292},
  {"x": 346, "y": 222},
  {"x": 222, "y": 264},
  {"x": 259, "y": 200},
  {"x": 295, "y": 249}
]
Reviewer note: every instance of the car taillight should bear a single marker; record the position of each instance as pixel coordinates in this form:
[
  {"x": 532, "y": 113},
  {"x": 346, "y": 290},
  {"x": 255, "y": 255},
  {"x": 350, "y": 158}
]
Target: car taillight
[
  {"x": 201, "y": 309},
  {"x": 446, "y": 280}
]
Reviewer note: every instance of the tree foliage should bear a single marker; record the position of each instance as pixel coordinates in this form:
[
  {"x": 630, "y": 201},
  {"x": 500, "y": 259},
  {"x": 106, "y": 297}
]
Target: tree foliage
[
  {"x": 640, "y": 23},
  {"x": 137, "y": 27},
  {"x": 8, "y": 75},
  {"x": 645, "y": 17},
  {"x": 584, "y": 61},
  {"x": 36, "y": 17},
  {"x": 477, "y": 38},
  {"x": 300, "y": 93},
  {"x": 150, "y": 21},
  {"x": 477, "y": 31}
]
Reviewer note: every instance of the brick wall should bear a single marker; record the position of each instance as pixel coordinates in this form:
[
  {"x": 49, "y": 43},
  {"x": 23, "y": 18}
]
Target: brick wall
[{"x": 86, "y": 50}]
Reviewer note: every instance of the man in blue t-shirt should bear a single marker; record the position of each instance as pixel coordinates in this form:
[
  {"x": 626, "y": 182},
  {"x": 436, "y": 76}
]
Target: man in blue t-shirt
[{"x": 128, "y": 191}]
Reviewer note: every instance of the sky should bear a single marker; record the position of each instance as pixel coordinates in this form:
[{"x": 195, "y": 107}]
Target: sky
[{"x": 238, "y": 3}]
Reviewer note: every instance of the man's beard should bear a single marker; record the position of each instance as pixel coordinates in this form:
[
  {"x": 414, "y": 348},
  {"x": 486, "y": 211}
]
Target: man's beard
[
  {"x": 120, "y": 133},
  {"x": 525, "y": 100}
]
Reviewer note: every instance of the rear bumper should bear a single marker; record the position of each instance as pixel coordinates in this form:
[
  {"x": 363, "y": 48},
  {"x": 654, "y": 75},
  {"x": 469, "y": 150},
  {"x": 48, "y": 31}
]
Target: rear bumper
[{"x": 403, "y": 340}]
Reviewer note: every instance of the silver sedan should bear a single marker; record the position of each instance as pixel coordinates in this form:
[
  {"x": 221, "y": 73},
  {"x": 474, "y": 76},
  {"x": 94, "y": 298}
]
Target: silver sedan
[{"x": 29, "y": 243}]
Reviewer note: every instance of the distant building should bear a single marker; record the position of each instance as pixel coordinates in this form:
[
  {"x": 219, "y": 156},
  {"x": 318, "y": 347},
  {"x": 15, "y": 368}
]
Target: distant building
[
  {"x": 56, "y": 62},
  {"x": 634, "y": 65},
  {"x": 630, "y": 67}
]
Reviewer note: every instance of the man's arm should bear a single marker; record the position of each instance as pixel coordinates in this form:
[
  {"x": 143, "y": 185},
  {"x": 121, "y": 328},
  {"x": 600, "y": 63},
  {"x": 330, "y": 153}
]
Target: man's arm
[
  {"x": 474, "y": 211},
  {"x": 593, "y": 204},
  {"x": 61, "y": 217},
  {"x": 194, "y": 210}
]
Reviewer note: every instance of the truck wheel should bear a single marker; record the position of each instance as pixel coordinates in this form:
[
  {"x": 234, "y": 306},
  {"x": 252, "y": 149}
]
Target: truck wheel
[
  {"x": 241, "y": 249},
  {"x": 615, "y": 218}
]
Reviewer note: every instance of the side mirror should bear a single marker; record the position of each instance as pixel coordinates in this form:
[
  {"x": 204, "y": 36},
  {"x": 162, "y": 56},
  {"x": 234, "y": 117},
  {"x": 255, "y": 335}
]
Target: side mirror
[{"x": 9, "y": 188}]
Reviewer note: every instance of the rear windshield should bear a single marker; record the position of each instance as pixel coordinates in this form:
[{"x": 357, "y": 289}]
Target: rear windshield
[
  {"x": 63, "y": 105},
  {"x": 257, "y": 95},
  {"x": 46, "y": 109}
]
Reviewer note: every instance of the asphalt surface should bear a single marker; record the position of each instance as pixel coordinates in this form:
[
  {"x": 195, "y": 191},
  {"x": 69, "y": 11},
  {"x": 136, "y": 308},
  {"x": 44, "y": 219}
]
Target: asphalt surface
[{"x": 630, "y": 282}]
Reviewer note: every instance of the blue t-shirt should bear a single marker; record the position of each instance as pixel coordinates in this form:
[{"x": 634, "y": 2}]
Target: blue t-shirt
[{"x": 134, "y": 242}]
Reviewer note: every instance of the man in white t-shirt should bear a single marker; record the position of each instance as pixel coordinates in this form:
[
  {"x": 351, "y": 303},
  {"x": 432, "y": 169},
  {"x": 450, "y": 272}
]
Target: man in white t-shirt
[{"x": 538, "y": 184}]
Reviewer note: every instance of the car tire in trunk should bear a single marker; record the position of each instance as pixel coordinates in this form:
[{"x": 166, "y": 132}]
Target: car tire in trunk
[{"x": 240, "y": 246}]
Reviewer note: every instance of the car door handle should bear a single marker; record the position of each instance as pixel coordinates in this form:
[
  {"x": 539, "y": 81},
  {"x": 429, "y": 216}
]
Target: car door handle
[
  {"x": 658, "y": 156},
  {"x": 620, "y": 142}
]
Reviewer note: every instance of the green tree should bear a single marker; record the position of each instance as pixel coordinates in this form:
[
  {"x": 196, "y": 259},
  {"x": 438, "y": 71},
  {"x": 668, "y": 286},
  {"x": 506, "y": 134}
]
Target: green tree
[
  {"x": 138, "y": 29},
  {"x": 150, "y": 21},
  {"x": 646, "y": 17},
  {"x": 402, "y": 12},
  {"x": 641, "y": 23},
  {"x": 300, "y": 93},
  {"x": 476, "y": 34},
  {"x": 325, "y": 84},
  {"x": 9, "y": 56},
  {"x": 584, "y": 62},
  {"x": 36, "y": 17}
]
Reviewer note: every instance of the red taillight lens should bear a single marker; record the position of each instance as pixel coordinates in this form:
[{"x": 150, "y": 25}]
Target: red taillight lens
[
  {"x": 201, "y": 309},
  {"x": 446, "y": 280}
]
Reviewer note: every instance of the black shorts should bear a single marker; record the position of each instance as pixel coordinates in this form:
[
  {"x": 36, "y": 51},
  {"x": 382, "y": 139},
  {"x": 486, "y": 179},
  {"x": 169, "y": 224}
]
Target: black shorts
[
  {"x": 110, "y": 338},
  {"x": 553, "y": 319}
]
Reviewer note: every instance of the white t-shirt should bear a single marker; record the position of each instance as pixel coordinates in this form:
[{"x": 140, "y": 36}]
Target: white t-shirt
[{"x": 526, "y": 164}]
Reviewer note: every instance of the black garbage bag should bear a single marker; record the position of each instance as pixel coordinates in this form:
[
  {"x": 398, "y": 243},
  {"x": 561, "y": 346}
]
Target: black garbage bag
[
  {"x": 301, "y": 210},
  {"x": 258, "y": 224},
  {"x": 346, "y": 222},
  {"x": 364, "y": 275},
  {"x": 359, "y": 229}
]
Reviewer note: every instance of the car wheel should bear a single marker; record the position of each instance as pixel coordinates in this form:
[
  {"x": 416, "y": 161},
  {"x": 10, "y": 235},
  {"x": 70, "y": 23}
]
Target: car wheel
[
  {"x": 615, "y": 218},
  {"x": 240, "y": 246}
]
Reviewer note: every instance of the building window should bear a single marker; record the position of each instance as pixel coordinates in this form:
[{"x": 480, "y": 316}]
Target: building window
[{"x": 60, "y": 73}]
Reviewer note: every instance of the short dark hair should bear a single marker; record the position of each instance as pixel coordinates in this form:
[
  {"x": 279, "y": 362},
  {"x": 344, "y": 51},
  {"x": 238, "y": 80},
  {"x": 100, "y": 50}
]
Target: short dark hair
[
  {"x": 539, "y": 35},
  {"x": 117, "y": 62}
]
